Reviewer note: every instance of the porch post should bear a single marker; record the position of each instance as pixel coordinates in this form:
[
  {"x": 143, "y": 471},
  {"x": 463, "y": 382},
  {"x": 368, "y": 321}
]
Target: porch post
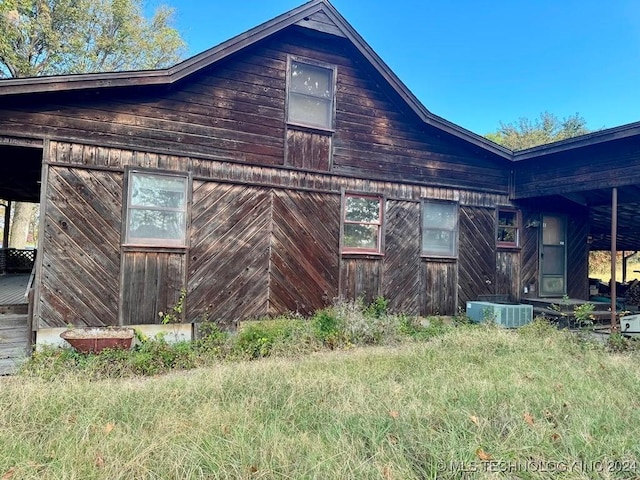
[
  {"x": 7, "y": 218},
  {"x": 614, "y": 237}
]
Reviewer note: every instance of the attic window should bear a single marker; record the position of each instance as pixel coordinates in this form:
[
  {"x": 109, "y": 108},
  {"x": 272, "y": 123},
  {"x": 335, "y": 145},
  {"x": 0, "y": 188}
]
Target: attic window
[
  {"x": 310, "y": 94},
  {"x": 156, "y": 209}
]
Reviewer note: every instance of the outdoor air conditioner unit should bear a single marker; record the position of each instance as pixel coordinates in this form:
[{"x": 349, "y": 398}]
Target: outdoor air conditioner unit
[
  {"x": 506, "y": 315},
  {"x": 630, "y": 325}
]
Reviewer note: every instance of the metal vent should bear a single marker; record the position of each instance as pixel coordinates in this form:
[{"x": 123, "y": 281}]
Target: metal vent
[{"x": 506, "y": 315}]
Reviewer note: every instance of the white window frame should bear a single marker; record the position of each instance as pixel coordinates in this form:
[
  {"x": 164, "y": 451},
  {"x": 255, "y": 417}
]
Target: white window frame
[
  {"x": 130, "y": 206},
  {"x": 331, "y": 100},
  {"x": 454, "y": 232}
]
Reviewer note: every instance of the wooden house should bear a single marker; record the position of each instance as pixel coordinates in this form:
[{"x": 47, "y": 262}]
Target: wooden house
[{"x": 282, "y": 169}]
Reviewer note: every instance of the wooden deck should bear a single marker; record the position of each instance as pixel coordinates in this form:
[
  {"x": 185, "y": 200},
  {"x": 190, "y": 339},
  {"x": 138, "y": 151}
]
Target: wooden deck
[
  {"x": 12, "y": 289},
  {"x": 561, "y": 309},
  {"x": 14, "y": 342}
]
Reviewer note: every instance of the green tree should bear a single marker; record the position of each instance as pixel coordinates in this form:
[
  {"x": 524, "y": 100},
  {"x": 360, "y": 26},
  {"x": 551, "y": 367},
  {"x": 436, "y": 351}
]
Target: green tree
[
  {"x": 51, "y": 37},
  {"x": 525, "y": 133}
]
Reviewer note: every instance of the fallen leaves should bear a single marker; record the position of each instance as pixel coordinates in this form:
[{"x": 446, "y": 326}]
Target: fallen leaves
[
  {"x": 529, "y": 419},
  {"x": 474, "y": 420},
  {"x": 8, "y": 474},
  {"x": 108, "y": 428},
  {"x": 482, "y": 455}
]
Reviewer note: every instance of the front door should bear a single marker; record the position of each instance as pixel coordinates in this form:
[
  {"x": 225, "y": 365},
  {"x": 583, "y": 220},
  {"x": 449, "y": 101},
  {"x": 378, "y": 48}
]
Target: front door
[{"x": 553, "y": 256}]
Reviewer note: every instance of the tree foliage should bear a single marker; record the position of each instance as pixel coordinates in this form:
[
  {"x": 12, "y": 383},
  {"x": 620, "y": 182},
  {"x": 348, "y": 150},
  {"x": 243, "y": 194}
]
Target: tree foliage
[
  {"x": 547, "y": 128},
  {"x": 50, "y": 37}
]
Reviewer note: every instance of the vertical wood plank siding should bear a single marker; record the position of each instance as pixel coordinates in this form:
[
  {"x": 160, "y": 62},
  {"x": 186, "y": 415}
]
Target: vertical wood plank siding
[
  {"x": 401, "y": 266},
  {"x": 150, "y": 284},
  {"x": 81, "y": 259},
  {"x": 508, "y": 274},
  {"x": 440, "y": 288},
  {"x": 304, "y": 259},
  {"x": 228, "y": 275},
  {"x": 477, "y": 253},
  {"x": 308, "y": 151},
  {"x": 360, "y": 278}
]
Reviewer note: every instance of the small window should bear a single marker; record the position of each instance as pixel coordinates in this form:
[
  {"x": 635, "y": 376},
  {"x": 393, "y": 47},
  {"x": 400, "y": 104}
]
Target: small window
[
  {"x": 439, "y": 229},
  {"x": 156, "y": 209},
  {"x": 310, "y": 93},
  {"x": 508, "y": 233},
  {"x": 362, "y": 224}
]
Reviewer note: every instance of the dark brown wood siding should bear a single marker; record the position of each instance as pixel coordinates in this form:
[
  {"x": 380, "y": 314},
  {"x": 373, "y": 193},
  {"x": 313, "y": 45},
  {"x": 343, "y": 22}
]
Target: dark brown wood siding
[
  {"x": 402, "y": 285},
  {"x": 577, "y": 257},
  {"x": 477, "y": 253},
  {"x": 80, "y": 249},
  {"x": 151, "y": 282},
  {"x": 606, "y": 165},
  {"x": 530, "y": 254},
  {"x": 440, "y": 288},
  {"x": 361, "y": 278},
  {"x": 304, "y": 258},
  {"x": 508, "y": 274},
  {"x": 228, "y": 275},
  {"x": 234, "y": 111}
]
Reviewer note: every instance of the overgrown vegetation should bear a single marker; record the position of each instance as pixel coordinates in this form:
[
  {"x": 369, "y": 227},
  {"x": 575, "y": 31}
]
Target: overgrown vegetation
[
  {"x": 474, "y": 401},
  {"x": 343, "y": 325}
]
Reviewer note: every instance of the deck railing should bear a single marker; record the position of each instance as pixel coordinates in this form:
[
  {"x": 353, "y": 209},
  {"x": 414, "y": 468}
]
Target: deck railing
[{"x": 13, "y": 260}]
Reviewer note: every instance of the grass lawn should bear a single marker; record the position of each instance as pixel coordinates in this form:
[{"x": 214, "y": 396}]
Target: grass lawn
[{"x": 529, "y": 404}]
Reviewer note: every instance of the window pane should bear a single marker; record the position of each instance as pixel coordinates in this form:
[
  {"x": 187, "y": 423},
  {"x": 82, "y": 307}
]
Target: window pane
[
  {"x": 155, "y": 224},
  {"x": 157, "y": 191},
  {"x": 360, "y": 236},
  {"x": 310, "y": 110},
  {"x": 438, "y": 242},
  {"x": 440, "y": 215},
  {"x": 509, "y": 219},
  {"x": 439, "y": 229},
  {"x": 311, "y": 80},
  {"x": 508, "y": 234},
  {"x": 359, "y": 209}
]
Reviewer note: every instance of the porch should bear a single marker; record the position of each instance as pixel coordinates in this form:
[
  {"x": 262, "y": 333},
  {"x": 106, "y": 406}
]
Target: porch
[{"x": 15, "y": 331}]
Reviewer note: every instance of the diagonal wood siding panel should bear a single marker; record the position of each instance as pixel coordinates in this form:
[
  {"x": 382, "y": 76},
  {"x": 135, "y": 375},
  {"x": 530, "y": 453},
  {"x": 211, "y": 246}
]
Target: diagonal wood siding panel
[
  {"x": 81, "y": 257},
  {"x": 477, "y": 253},
  {"x": 577, "y": 257},
  {"x": 228, "y": 275},
  {"x": 401, "y": 264},
  {"x": 304, "y": 251},
  {"x": 529, "y": 260}
]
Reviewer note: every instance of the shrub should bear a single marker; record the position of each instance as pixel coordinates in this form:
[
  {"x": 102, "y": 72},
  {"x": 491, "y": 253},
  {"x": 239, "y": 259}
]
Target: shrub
[
  {"x": 328, "y": 328},
  {"x": 258, "y": 338}
]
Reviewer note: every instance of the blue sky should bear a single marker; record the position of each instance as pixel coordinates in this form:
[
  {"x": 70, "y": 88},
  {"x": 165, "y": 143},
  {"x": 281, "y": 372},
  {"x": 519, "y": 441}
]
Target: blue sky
[{"x": 477, "y": 63}]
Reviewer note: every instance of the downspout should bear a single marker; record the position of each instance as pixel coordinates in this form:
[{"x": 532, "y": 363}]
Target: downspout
[
  {"x": 614, "y": 254},
  {"x": 7, "y": 219}
]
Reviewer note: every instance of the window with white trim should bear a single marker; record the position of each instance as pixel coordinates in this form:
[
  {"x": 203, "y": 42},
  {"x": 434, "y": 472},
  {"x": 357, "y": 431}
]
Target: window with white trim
[
  {"x": 310, "y": 94},
  {"x": 156, "y": 209},
  {"x": 362, "y": 223},
  {"x": 439, "y": 229}
]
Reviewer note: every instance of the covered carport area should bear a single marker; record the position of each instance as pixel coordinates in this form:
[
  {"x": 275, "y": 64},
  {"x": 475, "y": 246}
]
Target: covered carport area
[{"x": 599, "y": 174}]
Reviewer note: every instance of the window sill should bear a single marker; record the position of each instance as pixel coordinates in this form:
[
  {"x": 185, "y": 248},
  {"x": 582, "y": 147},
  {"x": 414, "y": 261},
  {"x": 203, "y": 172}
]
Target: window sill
[
  {"x": 435, "y": 258},
  {"x": 508, "y": 248},
  {"x": 371, "y": 255},
  {"x": 130, "y": 247},
  {"x": 310, "y": 128}
]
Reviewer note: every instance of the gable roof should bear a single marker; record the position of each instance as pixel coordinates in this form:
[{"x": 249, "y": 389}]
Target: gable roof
[{"x": 316, "y": 14}]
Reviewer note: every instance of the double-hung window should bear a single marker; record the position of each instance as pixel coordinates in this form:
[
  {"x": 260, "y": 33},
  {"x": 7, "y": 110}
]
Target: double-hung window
[
  {"x": 362, "y": 223},
  {"x": 439, "y": 229},
  {"x": 508, "y": 232},
  {"x": 156, "y": 209},
  {"x": 311, "y": 91}
]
